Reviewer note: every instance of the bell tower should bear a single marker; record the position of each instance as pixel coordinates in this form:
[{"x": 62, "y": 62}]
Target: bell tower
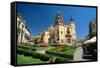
[
  {"x": 71, "y": 23},
  {"x": 72, "y": 30},
  {"x": 59, "y": 30},
  {"x": 59, "y": 19}
]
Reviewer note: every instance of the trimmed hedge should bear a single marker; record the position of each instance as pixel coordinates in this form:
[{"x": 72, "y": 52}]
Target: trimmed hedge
[
  {"x": 43, "y": 57},
  {"x": 60, "y": 54},
  {"x": 67, "y": 52},
  {"x": 20, "y": 51},
  {"x": 27, "y": 48},
  {"x": 61, "y": 60},
  {"x": 40, "y": 56}
]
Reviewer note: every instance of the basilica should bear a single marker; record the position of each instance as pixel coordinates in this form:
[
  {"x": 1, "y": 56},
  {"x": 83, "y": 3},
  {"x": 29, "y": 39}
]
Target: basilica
[{"x": 59, "y": 33}]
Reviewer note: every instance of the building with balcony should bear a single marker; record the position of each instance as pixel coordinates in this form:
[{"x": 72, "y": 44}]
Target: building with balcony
[{"x": 23, "y": 33}]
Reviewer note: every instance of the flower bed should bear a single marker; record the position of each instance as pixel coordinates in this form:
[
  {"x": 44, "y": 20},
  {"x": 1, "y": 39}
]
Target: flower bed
[{"x": 44, "y": 44}]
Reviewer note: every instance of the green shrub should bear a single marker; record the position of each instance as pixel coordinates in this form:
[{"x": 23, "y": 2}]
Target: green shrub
[
  {"x": 43, "y": 57},
  {"x": 24, "y": 47},
  {"x": 60, "y": 54},
  {"x": 61, "y": 60},
  {"x": 33, "y": 49},
  {"x": 28, "y": 53},
  {"x": 40, "y": 56},
  {"x": 20, "y": 51},
  {"x": 27, "y": 48}
]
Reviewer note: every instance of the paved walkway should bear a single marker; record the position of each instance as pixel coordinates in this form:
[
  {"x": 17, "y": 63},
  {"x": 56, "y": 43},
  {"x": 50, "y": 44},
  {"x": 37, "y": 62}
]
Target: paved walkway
[
  {"x": 43, "y": 50},
  {"x": 79, "y": 54}
]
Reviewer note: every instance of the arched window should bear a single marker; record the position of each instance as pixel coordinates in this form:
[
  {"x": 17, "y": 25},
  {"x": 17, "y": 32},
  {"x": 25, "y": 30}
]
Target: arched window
[
  {"x": 68, "y": 40},
  {"x": 19, "y": 22},
  {"x": 58, "y": 39},
  {"x": 61, "y": 32},
  {"x": 62, "y": 40}
]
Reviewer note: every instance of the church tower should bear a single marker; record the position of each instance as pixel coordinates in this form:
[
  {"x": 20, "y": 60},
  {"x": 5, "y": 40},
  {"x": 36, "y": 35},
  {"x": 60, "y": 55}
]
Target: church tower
[
  {"x": 59, "y": 30},
  {"x": 59, "y": 19},
  {"x": 72, "y": 30},
  {"x": 60, "y": 34}
]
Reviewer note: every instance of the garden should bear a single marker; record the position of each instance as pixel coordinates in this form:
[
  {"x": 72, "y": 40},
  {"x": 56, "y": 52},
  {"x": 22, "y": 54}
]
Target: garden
[
  {"x": 30, "y": 55},
  {"x": 66, "y": 52}
]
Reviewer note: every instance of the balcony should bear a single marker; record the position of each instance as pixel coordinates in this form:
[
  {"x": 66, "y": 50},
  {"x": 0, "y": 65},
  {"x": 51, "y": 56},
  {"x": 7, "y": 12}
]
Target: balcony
[
  {"x": 27, "y": 37},
  {"x": 68, "y": 35}
]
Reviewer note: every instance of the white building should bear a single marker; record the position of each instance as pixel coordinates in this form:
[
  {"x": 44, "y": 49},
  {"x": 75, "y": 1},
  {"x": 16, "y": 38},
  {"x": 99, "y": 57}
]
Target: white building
[{"x": 23, "y": 33}]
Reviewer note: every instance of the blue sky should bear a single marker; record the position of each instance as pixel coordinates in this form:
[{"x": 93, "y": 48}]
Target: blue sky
[{"x": 39, "y": 17}]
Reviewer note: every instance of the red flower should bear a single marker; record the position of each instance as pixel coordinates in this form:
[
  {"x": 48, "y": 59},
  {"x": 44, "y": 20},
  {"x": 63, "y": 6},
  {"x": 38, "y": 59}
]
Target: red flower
[{"x": 44, "y": 44}]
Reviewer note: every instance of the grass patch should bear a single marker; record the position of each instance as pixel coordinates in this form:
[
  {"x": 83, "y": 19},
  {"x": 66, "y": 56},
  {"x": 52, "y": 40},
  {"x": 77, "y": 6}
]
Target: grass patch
[
  {"x": 68, "y": 50},
  {"x": 21, "y": 59}
]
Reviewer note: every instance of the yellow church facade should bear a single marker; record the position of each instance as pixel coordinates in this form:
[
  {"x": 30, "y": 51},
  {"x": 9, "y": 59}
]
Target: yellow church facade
[{"x": 60, "y": 34}]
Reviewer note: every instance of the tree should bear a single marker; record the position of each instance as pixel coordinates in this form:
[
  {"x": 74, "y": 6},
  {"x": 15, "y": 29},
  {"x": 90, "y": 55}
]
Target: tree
[{"x": 37, "y": 41}]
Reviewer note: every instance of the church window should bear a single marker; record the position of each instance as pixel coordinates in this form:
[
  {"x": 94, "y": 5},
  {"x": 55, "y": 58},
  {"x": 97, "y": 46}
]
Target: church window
[
  {"x": 68, "y": 32},
  {"x": 58, "y": 39},
  {"x": 57, "y": 31},
  {"x": 62, "y": 40},
  {"x": 68, "y": 40},
  {"x": 19, "y": 23},
  {"x": 22, "y": 26},
  {"x": 58, "y": 17},
  {"x": 61, "y": 32}
]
